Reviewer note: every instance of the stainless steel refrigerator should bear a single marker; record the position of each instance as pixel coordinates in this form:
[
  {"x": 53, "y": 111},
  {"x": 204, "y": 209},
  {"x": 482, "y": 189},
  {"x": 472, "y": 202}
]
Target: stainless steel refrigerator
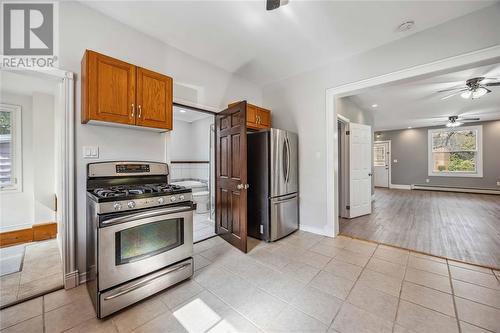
[{"x": 273, "y": 195}]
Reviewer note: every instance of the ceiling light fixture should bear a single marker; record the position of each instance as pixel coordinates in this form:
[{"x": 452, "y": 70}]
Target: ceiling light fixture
[
  {"x": 182, "y": 111},
  {"x": 405, "y": 26},
  {"x": 479, "y": 92},
  {"x": 466, "y": 94},
  {"x": 453, "y": 124},
  {"x": 374, "y": 105}
]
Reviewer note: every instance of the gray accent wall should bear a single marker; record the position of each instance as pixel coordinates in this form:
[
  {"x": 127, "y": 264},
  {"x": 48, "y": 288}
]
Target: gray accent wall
[{"x": 409, "y": 147}]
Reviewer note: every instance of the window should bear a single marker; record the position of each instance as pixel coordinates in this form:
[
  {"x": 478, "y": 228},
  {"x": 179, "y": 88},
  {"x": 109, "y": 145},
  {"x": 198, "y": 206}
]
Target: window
[
  {"x": 379, "y": 155},
  {"x": 10, "y": 147},
  {"x": 456, "y": 152}
]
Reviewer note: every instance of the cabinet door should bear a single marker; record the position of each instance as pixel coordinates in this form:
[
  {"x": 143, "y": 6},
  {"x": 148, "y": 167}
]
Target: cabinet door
[
  {"x": 264, "y": 118},
  {"x": 108, "y": 89},
  {"x": 252, "y": 112},
  {"x": 154, "y": 99}
]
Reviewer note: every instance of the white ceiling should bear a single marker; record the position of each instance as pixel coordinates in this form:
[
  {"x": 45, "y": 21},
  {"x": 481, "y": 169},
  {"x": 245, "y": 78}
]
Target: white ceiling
[
  {"x": 242, "y": 37},
  {"x": 26, "y": 83},
  {"x": 416, "y": 103},
  {"x": 188, "y": 115}
]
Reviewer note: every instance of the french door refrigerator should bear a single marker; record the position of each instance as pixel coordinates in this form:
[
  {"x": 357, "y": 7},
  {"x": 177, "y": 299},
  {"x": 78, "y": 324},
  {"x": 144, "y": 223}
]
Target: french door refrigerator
[{"x": 273, "y": 194}]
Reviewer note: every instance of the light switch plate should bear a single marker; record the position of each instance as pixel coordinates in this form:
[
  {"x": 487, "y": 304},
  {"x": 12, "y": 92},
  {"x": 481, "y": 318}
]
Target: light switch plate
[{"x": 91, "y": 152}]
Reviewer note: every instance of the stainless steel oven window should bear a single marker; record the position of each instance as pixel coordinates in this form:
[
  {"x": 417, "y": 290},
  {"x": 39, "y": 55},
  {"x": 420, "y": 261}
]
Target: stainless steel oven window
[{"x": 147, "y": 240}]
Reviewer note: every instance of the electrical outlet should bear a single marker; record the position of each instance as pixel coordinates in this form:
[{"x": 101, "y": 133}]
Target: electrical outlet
[
  {"x": 395, "y": 161},
  {"x": 261, "y": 229},
  {"x": 498, "y": 183},
  {"x": 427, "y": 180}
]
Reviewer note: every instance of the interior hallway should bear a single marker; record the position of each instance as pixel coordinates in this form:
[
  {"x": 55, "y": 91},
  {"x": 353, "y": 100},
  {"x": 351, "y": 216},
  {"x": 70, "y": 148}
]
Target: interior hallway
[{"x": 461, "y": 226}]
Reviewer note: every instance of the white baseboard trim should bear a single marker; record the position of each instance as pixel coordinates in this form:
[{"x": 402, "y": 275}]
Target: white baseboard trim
[
  {"x": 314, "y": 230},
  {"x": 400, "y": 187},
  {"x": 455, "y": 189},
  {"x": 71, "y": 280}
]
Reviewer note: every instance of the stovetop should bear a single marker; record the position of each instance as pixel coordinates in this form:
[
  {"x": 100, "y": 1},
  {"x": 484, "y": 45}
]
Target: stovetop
[{"x": 129, "y": 191}]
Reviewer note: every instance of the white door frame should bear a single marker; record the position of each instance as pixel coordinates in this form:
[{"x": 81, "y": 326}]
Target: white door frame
[
  {"x": 67, "y": 165},
  {"x": 389, "y": 183},
  {"x": 475, "y": 58}
]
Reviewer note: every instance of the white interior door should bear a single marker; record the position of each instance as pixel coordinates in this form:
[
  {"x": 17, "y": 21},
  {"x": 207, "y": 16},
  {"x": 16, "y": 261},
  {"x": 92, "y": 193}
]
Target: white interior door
[
  {"x": 360, "y": 169},
  {"x": 381, "y": 160}
]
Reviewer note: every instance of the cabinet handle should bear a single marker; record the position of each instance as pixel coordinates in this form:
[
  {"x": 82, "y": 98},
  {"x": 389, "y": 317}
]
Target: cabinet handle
[
  {"x": 133, "y": 110},
  {"x": 140, "y": 110}
]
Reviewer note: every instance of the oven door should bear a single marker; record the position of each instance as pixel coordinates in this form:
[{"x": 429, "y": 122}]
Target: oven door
[{"x": 136, "y": 244}]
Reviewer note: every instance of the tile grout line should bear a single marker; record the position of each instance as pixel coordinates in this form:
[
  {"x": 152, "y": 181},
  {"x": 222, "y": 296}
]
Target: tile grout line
[
  {"x": 353, "y": 285},
  {"x": 400, "y": 292},
  {"x": 453, "y": 298}
]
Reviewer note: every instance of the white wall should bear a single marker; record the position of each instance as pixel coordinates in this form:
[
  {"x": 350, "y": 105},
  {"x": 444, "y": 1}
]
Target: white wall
[
  {"x": 35, "y": 203},
  {"x": 82, "y": 28},
  {"x": 17, "y": 208},
  {"x": 298, "y": 103},
  {"x": 44, "y": 157},
  {"x": 347, "y": 108}
]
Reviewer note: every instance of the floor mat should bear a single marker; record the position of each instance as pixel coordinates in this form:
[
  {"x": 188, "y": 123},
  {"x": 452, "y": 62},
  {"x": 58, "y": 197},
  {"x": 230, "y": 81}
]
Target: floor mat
[{"x": 11, "y": 259}]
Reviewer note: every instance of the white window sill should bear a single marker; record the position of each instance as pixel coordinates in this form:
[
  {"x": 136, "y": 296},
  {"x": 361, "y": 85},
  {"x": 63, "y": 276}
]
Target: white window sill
[{"x": 456, "y": 174}]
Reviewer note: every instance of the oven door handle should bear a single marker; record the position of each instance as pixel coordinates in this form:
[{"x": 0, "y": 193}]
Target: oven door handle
[
  {"x": 144, "y": 282},
  {"x": 143, "y": 215}
]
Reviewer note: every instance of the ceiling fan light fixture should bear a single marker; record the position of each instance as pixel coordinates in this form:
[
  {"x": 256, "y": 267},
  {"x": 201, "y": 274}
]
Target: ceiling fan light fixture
[
  {"x": 453, "y": 124},
  {"x": 466, "y": 94},
  {"x": 479, "y": 92}
]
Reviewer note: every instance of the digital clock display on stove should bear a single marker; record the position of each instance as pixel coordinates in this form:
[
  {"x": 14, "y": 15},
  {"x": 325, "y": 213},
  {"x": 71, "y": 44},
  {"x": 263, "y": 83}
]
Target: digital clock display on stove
[{"x": 132, "y": 168}]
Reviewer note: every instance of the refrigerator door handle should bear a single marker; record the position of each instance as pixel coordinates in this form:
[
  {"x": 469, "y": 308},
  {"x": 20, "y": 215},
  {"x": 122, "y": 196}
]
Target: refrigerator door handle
[
  {"x": 287, "y": 160},
  {"x": 284, "y": 160}
]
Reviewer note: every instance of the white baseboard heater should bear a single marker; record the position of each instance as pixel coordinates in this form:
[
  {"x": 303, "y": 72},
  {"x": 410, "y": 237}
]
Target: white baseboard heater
[{"x": 455, "y": 189}]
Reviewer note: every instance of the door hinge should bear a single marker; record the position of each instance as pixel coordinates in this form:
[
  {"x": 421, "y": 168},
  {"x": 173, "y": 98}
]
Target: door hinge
[
  {"x": 348, "y": 207},
  {"x": 347, "y": 132}
]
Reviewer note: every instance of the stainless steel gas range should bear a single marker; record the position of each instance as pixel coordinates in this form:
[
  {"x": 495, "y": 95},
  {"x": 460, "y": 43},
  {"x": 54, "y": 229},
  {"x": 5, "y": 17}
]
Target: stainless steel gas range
[{"x": 139, "y": 233}]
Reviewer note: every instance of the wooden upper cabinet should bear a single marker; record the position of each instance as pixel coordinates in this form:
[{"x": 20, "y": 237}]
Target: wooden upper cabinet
[
  {"x": 154, "y": 99},
  {"x": 257, "y": 117},
  {"x": 108, "y": 89},
  {"x": 117, "y": 92}
]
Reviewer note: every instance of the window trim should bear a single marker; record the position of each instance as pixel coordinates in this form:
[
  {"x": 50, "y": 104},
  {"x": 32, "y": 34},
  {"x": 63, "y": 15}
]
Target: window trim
[
  {"x": 479, "y": 160},
  {"x": 17, "y": 169}
]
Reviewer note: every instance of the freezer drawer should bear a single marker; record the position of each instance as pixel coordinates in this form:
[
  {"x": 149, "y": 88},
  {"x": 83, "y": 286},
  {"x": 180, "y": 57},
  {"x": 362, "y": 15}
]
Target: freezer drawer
[{"x": 284, "y": 215}]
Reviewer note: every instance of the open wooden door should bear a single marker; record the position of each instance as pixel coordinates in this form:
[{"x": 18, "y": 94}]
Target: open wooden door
[
  {"x": 231, "y": 175},
  {"x": 360, "y": 170}
]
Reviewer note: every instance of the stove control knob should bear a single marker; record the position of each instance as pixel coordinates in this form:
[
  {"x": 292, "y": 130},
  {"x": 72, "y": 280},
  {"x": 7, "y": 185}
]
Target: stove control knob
[
  {"x": 173, "y": 198},
  {"x": 181, "y": 197},
  {"x": 117, "y": 206},
  {"x": 161, "y": 201},
  {"x": 131, "y": 204}
]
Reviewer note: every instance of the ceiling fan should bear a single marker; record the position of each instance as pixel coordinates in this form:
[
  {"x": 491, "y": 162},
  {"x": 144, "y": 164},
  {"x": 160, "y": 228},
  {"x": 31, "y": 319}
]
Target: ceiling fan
[
  {"x": 273, "y": 4},
  {"x": 454, "y": 121},
  {"x": 474, "y": 88}
]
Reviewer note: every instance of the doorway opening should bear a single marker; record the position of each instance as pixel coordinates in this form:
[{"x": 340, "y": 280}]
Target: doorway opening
[
  {"x": 191, "y": 154},
  {"x": 382, "y": 163},
  {"x": 30, "y": 186}
]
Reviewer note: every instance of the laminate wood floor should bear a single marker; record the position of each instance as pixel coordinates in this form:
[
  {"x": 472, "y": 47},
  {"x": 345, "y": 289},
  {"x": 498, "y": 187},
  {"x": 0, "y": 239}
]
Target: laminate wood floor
[{"x": 459, "y": 226}]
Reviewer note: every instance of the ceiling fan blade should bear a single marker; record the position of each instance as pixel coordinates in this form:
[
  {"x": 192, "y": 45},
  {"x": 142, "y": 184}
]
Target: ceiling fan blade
[
  {"x": 454, "y": 94},
  {"x": 491, "y": 84},
  {"x": 451, "y": 89},
  {"x": 469, "y": 119}
]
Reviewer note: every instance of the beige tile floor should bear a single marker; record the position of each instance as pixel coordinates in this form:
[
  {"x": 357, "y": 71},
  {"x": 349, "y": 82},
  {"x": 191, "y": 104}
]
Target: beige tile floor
[
  {"x": 41, "y": 272},
  {"x": 304, "y": 283}
]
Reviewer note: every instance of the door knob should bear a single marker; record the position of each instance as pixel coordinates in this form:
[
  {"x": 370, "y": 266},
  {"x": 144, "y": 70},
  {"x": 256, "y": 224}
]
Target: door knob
[
  {"x": 370, "y": 174},
  {"x": 239, "y": 186},
  {"x": 246, "y": 186}
]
